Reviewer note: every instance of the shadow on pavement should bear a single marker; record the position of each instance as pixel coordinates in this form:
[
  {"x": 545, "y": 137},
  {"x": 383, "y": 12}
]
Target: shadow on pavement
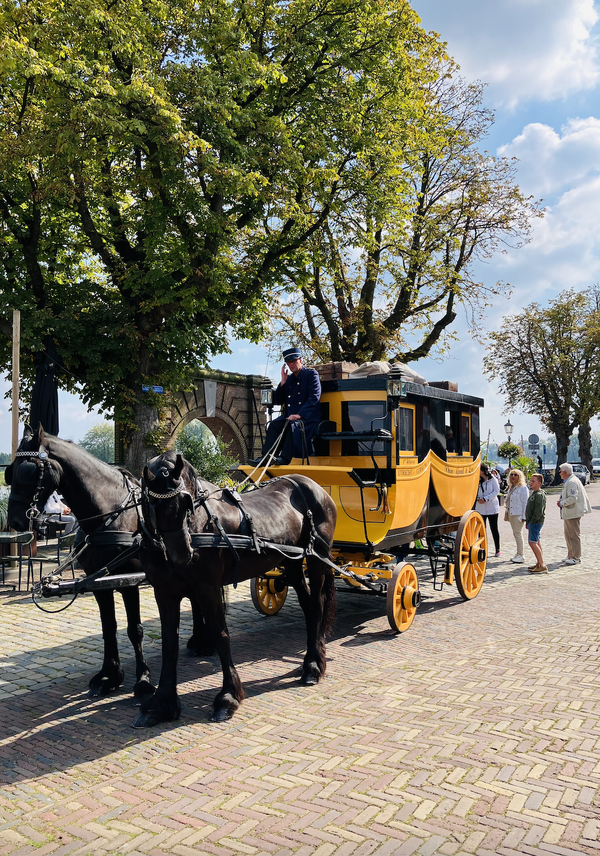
[{"x": 56, "y": 727}]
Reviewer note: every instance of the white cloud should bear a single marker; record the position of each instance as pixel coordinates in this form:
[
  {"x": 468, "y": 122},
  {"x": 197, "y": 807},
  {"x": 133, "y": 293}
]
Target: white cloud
[
  {"x": 525, "y": 49},
  {"x": 550, "y": 162},
  {"x": 564, "y": 167}
]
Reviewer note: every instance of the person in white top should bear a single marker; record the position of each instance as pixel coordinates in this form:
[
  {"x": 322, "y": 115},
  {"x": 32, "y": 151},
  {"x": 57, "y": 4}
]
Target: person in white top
[
  {"x": 56, "y": 508},
  {"x": 487, "y": 503},
  {"x": 573, "y": 504},
  {"x": 516, "y": 504}
]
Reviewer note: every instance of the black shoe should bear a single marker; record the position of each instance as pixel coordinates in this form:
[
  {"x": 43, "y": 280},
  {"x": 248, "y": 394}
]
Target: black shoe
[
  {"x": 254, "y": 461},
  {"x": 279, "y": 462}
]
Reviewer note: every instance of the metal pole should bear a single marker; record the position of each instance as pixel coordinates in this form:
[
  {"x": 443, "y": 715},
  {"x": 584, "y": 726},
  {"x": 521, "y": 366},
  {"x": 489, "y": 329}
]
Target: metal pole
[
  {"x": 16, "y": 346},
  {"x": 16, "y": 349}
]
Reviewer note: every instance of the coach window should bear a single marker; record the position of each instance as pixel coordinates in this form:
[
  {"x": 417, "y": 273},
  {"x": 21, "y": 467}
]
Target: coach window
[
  {"x": 451, "y": 431},
  {"x": 359, "y": 417},
  {"x": 406, "y": 430},
  {"x": 465, "y": 433}
]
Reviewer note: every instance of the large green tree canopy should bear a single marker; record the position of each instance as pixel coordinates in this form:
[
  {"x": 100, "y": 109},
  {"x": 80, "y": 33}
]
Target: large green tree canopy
[
  {"x": 162, "y": 162},
  {"x": 388, "y": 272}
]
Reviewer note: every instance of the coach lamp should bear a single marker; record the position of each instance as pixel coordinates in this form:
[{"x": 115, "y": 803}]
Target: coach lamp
[
  {"x": 396, "y": 388},
  {"x": 266, "y": 397}
]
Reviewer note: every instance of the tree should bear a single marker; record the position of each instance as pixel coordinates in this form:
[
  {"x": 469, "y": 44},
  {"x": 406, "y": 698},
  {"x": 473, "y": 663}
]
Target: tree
[
  {"x": 387, "y": 273},
  {"x": 547, "y": 361},
  {"x": 207, "y": 453},
  {"x": 526, "y": 464},
  {"x": 99, "y": 441},
  {"x": 162, "y": 163},
  {"x": 509, "y": 451}
]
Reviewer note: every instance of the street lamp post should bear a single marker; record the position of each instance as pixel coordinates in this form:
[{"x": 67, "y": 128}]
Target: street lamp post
[{"x": 509, "y": 428}]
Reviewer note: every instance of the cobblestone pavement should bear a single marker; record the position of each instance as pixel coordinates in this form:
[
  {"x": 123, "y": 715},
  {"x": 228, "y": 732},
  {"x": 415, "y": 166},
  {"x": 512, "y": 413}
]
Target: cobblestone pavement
[{"x": 474, "y": 733}]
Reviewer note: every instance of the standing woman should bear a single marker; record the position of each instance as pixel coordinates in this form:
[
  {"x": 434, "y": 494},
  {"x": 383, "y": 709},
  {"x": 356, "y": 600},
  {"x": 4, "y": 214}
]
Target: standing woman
[
  {"x": 487, "y": 503},
  {"x": 516, "y": 504}
]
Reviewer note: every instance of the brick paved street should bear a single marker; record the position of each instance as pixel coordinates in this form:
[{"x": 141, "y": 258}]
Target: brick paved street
[{"x": 477, "y": 732}]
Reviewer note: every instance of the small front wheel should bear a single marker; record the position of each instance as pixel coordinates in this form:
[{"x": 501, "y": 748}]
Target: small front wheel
[
  {"x": 268, "y": 594},
  {"x": 403, "y": 597}
]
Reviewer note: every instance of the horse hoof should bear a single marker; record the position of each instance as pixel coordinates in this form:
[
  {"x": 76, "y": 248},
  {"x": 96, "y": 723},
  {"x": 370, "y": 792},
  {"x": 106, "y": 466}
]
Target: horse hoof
[
  {"x": 146, "y": 720},
  {"x": 149, "y": 718},
  {"x": 201, "y": 651},
  {"x": 222, "y": 714},
  {"x": 224, "y": 706},
  {"x": 142, "y": 690},
  {"x": 309, "y": 680},
  {"x": 200, "y": 647},
  {"x": 101, "y": 686}
]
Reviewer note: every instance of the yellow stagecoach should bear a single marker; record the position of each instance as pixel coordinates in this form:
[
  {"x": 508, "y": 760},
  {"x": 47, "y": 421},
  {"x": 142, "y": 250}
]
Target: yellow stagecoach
[{"x": 401, "y": 460}]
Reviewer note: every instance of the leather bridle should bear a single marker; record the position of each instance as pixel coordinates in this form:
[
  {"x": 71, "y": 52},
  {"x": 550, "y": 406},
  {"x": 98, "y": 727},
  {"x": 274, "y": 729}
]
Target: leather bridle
[{"x": 33, "y": 513}]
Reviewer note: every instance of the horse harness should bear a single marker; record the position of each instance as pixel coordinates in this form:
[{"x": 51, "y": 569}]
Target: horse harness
[
  {"x": 102, "y": 536},
  {"x": 249, "y": 540}
]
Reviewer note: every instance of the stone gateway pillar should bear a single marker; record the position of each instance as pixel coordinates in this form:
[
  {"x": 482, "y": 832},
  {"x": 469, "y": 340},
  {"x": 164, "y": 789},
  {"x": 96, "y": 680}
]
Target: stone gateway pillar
[{"x": 227, "y": 402}]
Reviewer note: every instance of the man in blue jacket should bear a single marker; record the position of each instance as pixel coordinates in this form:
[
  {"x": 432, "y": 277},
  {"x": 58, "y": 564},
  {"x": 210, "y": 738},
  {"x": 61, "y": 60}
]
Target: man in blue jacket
[{"x": 299, "y": 392}]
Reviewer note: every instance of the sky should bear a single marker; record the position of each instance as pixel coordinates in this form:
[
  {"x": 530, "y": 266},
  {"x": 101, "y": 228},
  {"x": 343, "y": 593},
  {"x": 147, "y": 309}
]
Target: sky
[{"x": 540, "y": 60}]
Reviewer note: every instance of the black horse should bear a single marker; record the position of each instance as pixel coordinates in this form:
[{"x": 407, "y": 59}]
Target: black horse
[
  {"x": 294, "y": 511},
  {"x": 97, "y": 494}
]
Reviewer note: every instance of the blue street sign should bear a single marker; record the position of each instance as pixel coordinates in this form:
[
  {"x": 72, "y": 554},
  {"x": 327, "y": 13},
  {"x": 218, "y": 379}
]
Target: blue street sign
[{"x": 147, "y": 388}]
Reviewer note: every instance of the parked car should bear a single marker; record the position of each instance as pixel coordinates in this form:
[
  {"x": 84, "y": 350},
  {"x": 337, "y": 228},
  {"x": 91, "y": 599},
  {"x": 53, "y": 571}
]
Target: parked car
[
  {"x": 596, "y": 466},
  {"x": 582, "y": 473}
]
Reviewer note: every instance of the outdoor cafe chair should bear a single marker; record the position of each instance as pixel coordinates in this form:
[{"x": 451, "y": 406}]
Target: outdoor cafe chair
[{"x": 22, "y": 540}]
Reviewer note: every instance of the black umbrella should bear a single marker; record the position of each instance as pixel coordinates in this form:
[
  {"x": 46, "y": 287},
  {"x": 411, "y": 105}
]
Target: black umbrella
[{"x": 44, "y": 401}]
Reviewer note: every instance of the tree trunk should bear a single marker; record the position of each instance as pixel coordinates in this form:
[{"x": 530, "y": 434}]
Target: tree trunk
[
  {"x": 139, "y": 448},
  {"x": 562, "y": 449},
  {"x": 585, "y": 445},
  {"x": 146, "y": 417}
]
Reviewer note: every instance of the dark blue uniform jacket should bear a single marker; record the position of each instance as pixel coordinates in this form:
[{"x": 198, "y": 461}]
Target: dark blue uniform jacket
[{"x": 301, "y": 395}]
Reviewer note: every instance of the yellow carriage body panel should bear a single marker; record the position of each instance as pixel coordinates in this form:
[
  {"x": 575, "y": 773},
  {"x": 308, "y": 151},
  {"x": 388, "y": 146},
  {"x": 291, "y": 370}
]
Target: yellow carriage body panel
[
  {"x": 455, "y": 481},
  {"x": 417, "y": 487}
]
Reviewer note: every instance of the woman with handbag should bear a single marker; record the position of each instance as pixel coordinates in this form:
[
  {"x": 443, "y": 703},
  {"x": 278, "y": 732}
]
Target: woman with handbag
[
  {"x": 487, "y": 503},
  {"x": 516, "y": 504}
]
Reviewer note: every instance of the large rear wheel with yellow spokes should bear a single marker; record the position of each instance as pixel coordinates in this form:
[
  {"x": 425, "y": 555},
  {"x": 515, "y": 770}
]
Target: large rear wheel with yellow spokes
[
  {"x": 268, "y": 594},
  {"x": 403, "y": 597},
  {"x": 470, "y": 554}
]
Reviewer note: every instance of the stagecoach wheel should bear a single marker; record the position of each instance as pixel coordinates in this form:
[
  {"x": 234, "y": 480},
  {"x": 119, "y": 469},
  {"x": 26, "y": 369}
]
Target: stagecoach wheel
[
  {"x": 268, "y": 594},
  {"x": 403, "y": 597},
  {"x": 470, "y": 554}
]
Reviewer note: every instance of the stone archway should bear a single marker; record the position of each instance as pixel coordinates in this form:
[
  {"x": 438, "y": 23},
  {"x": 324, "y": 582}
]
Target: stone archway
[{"x": 226, "y": 402}]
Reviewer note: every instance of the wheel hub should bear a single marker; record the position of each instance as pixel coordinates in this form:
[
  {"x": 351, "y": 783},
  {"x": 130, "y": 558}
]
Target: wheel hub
[
  {"x": 410, "y": 597},
  {"x": 476, "y": 554}
]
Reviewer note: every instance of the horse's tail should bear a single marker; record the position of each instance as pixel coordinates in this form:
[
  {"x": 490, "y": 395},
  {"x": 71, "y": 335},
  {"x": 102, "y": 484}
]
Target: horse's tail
[{"x": 329, "y": 602}]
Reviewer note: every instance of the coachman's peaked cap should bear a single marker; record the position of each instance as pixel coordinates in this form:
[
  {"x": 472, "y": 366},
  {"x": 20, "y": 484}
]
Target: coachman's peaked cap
[{"x": 292, "y": 353}]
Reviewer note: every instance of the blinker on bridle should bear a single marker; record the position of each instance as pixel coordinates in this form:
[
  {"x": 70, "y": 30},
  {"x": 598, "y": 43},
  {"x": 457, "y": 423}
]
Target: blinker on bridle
[{"x": 33, "y": 512}]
